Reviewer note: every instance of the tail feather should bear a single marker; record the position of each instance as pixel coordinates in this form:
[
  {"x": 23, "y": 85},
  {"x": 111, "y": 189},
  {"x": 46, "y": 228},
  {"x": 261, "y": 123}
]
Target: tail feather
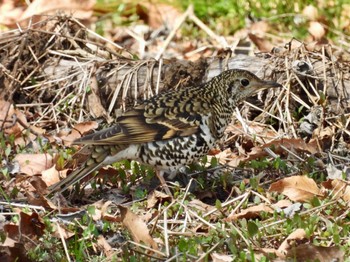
[
  {"x": 75, "y": 177},
  {"x": 92, "y": 157}
]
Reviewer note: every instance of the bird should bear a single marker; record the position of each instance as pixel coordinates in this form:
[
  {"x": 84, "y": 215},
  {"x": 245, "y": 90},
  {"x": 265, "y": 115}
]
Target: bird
[{"x": 170, "y": 130}]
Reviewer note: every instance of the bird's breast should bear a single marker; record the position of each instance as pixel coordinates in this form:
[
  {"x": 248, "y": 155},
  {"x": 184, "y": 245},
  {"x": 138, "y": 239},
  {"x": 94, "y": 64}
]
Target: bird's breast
[{"x": 177, "y": 152}]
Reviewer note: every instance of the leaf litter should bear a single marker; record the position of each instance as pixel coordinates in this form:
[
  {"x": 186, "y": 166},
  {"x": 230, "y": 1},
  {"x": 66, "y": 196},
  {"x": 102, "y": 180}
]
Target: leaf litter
[{"x": 56, "y": 106}]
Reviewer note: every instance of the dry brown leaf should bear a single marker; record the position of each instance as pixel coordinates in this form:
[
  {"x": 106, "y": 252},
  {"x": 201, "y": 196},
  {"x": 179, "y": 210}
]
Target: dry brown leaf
[
  {"x": 13, "y": 251},
  {"x": 52, "y": 175},
  {"x": 259, "y": 253},
  {"x": 137, "y": 227},
  {"x": 94, "y": 100},
  {"x": 62, "y": 232},
  {"x": 158, "y": 14},
  {"x": 11, "y": 116},
  {"x": 199, "y": 205},
  {"x": 9, "y": 242},
  {"x": 282, "y": 204},
  {"x": 28, "y": 231},
  {"x": 262, "y": 44},
  {"x": 155, "y": 197},
  {"x": 254, "y": 211},
  {"x": 324, "y": 132},
  {"x": 310, "y": 12},
  {"x": 38, "y": 184},
  {"x": 309, "y": 252},
  {"x": 104, "y": 246},
  {"x": 80, "y": 9},
  {"x": 78, "y": 131},
  {"x": 340, "y": 188},
  {"x": 32, "y": 164},
  {"x": 39, "y": 200},
  {"x": 317, "y": 30},
  {"x": 237, "y": 130},
  {"x": 297, "y": 188},
  {"x": 9, "y": 12},
  {"x": 31, "y": 225},
  {"x": 297, "y": 236},
  {"x": 257, "y": 34},
  {"x": 12, "y": 231},
  {"x": 220, "y": 258},
  {"x": 251, "y": 212},
  {"x": 293, "y": 144}
]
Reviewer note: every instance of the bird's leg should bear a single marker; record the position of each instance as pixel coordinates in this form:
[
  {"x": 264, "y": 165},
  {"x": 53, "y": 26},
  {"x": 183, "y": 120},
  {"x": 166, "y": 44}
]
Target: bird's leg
[{"x": 160, "y": 175}]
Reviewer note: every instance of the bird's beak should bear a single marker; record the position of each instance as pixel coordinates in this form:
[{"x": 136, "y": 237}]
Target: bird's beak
[
  {"x": 269, "y": 84},
  {"x": 262, "y": 85}
]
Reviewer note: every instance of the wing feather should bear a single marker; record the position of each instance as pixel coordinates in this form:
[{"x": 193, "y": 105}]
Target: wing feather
[{"x": 157, "y": 120}]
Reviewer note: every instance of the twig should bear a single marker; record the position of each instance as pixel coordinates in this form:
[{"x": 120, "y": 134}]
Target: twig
[{"x": 179, "y": 22}]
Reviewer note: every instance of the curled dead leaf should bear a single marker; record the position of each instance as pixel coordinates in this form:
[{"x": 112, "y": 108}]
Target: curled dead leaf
[{"x": 297, "y": 188}]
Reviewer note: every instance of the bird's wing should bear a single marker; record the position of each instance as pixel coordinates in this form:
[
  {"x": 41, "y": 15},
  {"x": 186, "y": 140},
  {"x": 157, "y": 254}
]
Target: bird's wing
[{"x": 147, "y": 122}]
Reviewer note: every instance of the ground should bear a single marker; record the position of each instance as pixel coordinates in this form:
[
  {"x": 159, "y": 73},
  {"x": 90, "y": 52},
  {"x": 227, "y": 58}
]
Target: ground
[{"x": 275, "y": 188}]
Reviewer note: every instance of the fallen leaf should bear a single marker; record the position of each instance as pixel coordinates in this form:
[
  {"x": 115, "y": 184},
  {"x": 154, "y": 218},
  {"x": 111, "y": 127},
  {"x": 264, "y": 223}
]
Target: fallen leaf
[
  {"x": 251, "y": 212},
  {"x": 80, "y": 9},
  {"x": 333, "y": 172},
  {"x": 9, "y": 119},
  {"x": 317, "y": 30},
  {"x": 78, "y": 131},
  {"x": 340, "y": 188},
  {"x": 220, "y": 257},
  {"x": 297, "y": 188},
  {"x": 296, "y": 236},
  {"x": 94, "y": 100},
  {"x": 156, "y": 197},
  {"x": 31, "y": 225},
  {"x": 254, "y": 211},
  {"x": 62, "y": 232},
  {"x": 309, "y": 252},
  {"x": 257, "y": 33},
  {"x": 137, "y": 227},
  {"x": 260, "y": 253},
  {"x": 201, "y": 206},
  {"x": 158, "y": 14},
  {"x": 39, "y": 200},
  {"x": 310, "y": 12},
  {"x": 277, "y": 146},
  {"x": 32, "y": 164},
  {"x": 104, "y": 246},
  {"x": 52, "y": 175}
]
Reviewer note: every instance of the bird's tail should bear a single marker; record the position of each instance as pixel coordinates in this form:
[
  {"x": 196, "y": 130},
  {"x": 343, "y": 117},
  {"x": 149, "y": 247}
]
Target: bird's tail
[
  {"x": 74, "y": 177},
  {"x": 93, "y": 160}
]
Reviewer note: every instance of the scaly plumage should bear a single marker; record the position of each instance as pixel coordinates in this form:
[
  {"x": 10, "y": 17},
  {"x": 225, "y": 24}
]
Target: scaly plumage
[{"x": 171, "y": 129}]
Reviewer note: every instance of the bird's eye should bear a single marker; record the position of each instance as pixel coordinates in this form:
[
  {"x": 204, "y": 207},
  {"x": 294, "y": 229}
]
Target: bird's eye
[{"x": 244, "y": 82}]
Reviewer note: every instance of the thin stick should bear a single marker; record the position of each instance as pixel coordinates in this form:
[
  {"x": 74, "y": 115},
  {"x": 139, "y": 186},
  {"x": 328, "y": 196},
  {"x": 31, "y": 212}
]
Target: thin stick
[{"x": 179, "y": 22}]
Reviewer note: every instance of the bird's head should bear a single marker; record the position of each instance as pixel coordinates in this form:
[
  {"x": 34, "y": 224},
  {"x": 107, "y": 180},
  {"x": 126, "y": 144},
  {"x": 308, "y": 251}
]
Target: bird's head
[{"x": 241, "y": 84}]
